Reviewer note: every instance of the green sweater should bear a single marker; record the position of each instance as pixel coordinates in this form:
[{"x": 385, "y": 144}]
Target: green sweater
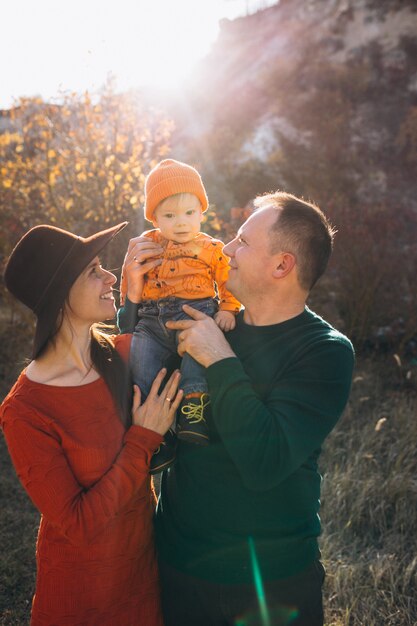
[{"x": 272, "y": 408}]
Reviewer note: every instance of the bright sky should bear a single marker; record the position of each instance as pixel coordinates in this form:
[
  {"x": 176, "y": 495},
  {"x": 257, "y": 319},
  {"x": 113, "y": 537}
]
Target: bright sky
[{"x": 47, "y": 46}]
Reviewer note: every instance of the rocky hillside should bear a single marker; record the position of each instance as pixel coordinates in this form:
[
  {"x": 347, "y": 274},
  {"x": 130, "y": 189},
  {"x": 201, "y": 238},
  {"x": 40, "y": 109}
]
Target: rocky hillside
[{"x": 317, "y": 97}]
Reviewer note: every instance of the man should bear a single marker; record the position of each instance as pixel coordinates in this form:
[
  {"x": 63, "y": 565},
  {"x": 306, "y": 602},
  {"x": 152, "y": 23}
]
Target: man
[{"x": 237, "y": 522}]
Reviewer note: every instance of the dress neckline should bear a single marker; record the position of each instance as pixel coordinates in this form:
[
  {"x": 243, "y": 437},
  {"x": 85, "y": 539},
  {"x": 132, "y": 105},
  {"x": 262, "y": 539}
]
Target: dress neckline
[{"x": 24, "y": 376}]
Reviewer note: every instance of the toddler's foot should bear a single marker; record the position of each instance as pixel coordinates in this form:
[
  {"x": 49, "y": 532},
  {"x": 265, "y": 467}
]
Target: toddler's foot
[
  {"x": 191, "y": 423},
  {"x": 164, "y": 456}
]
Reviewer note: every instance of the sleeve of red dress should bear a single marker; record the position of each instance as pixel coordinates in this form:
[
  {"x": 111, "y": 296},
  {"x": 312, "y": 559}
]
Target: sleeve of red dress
[{"x": 42, "y": 467}]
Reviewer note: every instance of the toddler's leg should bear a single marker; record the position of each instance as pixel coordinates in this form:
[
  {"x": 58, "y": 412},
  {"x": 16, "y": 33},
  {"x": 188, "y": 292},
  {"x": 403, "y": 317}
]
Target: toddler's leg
[
  {"x": 147, "y": 357},
  {"x": 191, "y": 422}
]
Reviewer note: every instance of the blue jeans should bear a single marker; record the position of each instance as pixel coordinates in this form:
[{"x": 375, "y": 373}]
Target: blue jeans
[
  {"x": 294, "y": 601},
  {"x": 153, "y": 343}
]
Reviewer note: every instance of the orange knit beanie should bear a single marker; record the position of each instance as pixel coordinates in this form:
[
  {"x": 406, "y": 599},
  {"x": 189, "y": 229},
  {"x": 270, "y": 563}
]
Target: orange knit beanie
[{"x": 168, "y": 178}]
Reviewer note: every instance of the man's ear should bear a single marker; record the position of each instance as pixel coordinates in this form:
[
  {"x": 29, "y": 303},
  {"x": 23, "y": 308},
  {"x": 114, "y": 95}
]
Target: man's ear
[{"x": 285, "y": 264}]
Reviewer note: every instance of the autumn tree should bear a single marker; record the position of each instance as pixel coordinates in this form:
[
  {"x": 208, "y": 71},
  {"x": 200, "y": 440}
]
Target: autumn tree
[{"x": 79, "y": 164}]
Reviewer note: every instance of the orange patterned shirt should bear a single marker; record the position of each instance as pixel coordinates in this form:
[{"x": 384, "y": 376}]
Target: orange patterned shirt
[{"x": 194, "y": 270}]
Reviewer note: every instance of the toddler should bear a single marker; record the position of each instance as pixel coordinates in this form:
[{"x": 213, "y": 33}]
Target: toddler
[{"x": 193, "y": 271}]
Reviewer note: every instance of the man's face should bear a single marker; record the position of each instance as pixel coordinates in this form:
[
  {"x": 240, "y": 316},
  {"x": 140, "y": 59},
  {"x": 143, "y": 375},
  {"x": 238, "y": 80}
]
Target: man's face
[{"x": 251, "y": 264}]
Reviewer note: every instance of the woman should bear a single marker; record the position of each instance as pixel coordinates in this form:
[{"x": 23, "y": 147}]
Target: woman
[{"x": 81, "y": 454}]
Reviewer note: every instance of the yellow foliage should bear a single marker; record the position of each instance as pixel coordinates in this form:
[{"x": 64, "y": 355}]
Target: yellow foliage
[
  {"x": 6, "y": 139},
  {"x": 82, "y": 160}
]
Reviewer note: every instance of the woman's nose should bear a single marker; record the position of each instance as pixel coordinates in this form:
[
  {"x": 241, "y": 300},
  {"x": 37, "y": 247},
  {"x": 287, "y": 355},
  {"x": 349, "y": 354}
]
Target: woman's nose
[{"x": 109, "y": 277}]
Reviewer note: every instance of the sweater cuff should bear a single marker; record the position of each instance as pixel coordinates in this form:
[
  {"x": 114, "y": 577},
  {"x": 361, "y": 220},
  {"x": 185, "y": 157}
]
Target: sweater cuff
[
  {"x": 229, "y": 306},
  {"x": 127, "y": 316},
  {"x": 225, "y": 372},
  {"x": 144, "y": 438}
]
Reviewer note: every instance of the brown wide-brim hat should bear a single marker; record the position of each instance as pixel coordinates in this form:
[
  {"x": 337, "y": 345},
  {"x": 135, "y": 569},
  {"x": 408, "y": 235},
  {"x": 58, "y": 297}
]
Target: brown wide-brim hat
[{"x": 42, "y": 268}]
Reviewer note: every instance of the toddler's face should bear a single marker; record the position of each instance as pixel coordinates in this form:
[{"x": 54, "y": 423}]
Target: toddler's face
[{"x": 179, "y": 217}]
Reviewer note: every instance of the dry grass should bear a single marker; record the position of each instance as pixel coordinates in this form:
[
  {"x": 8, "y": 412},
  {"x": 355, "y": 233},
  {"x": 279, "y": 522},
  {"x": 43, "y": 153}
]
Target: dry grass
[
  {"x": 369, "y": 506},
  {"x": 18, "y": 525}
]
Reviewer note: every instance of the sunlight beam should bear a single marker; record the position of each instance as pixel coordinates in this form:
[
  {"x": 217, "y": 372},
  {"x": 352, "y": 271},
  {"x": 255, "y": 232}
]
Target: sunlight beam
[{"x": 257, "y": 577}]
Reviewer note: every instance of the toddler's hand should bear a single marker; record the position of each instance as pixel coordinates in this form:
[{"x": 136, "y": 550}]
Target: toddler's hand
[{"x": 225, "y": 320}]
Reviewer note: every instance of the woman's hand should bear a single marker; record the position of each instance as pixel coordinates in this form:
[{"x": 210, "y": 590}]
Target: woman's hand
[
  {"x": 142, "y": 255},
  {"x": 158, "y": 411}
]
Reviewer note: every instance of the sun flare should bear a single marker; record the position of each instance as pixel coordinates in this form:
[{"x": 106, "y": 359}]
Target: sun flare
[{"x": 75, "y": 46}]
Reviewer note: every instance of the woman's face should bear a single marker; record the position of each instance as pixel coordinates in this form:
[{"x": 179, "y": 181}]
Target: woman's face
[{"x": 91, "y": 298}]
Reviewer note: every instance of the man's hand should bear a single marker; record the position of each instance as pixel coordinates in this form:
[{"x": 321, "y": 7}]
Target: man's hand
[
  {"x": 225, "y": 320},
  {"x": 201, "y": 338},
  {"x": 142, "y": 255}
]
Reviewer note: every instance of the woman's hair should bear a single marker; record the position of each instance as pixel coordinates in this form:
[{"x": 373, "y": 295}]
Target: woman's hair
[{"x": 109, "y": 364}]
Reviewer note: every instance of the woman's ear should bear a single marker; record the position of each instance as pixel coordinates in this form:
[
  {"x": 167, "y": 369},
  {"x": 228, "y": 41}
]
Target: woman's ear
[{"x": 285, "y": 264}]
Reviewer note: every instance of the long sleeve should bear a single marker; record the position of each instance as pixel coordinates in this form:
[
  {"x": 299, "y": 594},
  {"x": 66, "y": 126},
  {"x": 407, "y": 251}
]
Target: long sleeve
[
  {"x": 80, "y": 513},
  {"x": 271, "y": 408},
  {"x": 269, "y": 438},
  {"x": 127, "y": 316}
]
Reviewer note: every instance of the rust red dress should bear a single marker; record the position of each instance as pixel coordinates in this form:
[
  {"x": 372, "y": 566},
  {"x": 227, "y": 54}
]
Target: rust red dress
[{"x": 89, "y": 478}]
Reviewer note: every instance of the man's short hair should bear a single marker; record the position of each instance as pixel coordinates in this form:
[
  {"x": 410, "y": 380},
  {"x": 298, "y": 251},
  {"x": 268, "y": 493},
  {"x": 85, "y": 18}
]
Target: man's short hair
[{"x": 302, "y": 229}]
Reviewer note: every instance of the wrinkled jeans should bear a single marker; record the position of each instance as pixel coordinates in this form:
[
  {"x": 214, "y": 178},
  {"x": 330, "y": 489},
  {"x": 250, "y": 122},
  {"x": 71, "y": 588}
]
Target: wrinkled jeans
[{"x": 153, "y": 343}]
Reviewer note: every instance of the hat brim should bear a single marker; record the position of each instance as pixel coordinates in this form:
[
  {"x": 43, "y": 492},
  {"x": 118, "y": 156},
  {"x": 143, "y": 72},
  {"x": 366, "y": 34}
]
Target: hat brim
[{"x": 82, "y": 253}]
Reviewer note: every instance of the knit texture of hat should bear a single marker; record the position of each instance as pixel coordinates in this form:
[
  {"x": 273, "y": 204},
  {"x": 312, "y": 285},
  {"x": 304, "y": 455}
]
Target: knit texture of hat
[{"x": 168, "y": 178}]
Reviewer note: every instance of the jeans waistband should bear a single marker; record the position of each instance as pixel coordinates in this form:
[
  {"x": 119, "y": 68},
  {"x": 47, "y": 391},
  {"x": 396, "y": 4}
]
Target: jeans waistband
[{"x": 170, "y": 304}]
